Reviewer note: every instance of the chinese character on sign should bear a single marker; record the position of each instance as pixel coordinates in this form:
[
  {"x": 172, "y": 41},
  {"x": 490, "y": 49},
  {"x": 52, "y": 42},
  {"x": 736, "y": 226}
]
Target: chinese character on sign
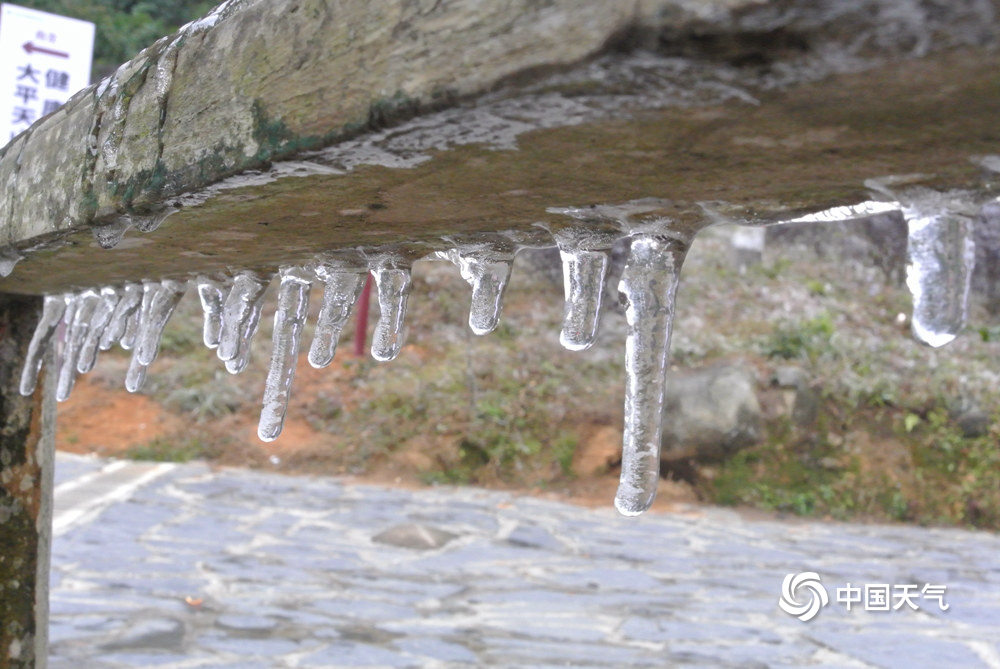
[
  {"x": 24, "y": 115},
  {"x": 26, "y": 93},
  {"x": 44, "y": 59},
  {"x": 57, "y": 79},
  {"x": 27, "y": 72}
]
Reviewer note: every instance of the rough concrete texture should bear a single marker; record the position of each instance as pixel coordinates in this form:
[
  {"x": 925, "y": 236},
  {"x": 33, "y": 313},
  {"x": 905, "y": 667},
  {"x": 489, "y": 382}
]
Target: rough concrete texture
[
  {"x": 692, "y": 100},
  {"x": 27, "y": 428}
]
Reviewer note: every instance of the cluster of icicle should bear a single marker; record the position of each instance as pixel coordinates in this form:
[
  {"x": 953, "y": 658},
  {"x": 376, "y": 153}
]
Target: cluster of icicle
[{"x": 134, "y": 315}]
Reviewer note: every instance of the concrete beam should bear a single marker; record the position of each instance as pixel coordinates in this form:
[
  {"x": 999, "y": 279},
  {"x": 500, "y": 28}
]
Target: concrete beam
[
  {"x": 27, "y": 428},
  {"x": 272, "y": 130}
]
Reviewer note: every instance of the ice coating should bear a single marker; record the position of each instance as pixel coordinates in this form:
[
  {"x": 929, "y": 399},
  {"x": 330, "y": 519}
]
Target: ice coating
[
  {"x": 648, "y": 286},
  {"x": 9, "y": 257},
  {"x": 110, "y": 235},
  {"x": 583, "y": 284},
  {"x": 341, "y": 289},
  {"x": 166, "y": 295},
  {"x": 940, "y": 258},
  {"x": 125, "y": 310},
  {"x": 98, "y": 324},
  {"x": 289, "y": 318},
  {"x": 82, "y": 310},
  {"x": 240, "y": 317},
  {"x": 212, "y": 297},
  {"x": 487, "y": 272},
  {"x": 393, "y": 291},
  {"x": 53, "y": 308}
]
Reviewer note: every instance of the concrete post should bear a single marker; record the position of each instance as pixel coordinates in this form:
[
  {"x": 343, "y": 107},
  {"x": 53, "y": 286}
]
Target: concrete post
[{"x": 27, "y": 428}]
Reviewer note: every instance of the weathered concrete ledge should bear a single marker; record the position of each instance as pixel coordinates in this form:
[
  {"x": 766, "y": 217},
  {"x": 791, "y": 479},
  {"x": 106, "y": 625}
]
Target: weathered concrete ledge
[{"x": 389, "y": 116}]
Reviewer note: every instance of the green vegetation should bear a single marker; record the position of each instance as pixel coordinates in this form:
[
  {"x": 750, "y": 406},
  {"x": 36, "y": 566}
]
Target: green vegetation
[
  {"x": 163, "y": 449},
  {"x": 125, "y": 27}
]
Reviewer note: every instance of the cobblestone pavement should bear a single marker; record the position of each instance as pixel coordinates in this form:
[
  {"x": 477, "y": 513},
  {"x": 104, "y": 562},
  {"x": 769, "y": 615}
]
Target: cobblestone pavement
[{"x": 182, "y": 566}]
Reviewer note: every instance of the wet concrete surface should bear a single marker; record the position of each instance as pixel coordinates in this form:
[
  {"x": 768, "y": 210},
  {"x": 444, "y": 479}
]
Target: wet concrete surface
[{"x": 181, "y": 566}]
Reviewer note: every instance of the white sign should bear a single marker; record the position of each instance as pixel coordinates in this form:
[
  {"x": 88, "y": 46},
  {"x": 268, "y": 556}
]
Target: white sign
[{"x": 44, "y": 59}]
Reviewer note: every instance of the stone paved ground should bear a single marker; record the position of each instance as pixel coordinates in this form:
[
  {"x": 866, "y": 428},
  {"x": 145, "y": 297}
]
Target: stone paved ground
[{"x": 281, "y": 571}]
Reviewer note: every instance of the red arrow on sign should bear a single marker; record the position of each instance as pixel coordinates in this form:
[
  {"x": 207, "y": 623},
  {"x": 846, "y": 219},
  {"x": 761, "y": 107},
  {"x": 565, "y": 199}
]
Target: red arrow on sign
[{"x": 31, "y": 48}]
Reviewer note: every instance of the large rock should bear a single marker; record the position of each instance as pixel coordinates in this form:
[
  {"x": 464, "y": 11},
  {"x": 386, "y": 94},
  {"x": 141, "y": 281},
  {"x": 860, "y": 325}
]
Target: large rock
[{"x": 710, "y": 413}]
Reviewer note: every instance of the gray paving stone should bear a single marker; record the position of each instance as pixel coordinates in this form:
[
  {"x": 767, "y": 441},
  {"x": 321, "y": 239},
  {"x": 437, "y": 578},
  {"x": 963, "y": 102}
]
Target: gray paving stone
[{"x": 289, "y": 575}]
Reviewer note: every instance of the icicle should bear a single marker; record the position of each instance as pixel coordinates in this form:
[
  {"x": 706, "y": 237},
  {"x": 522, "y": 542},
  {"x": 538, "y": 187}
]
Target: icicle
[
  {"x": 83, "y": 308},
  {"x": 136, "y": 374},
  {"x": 212, "y": 298},
  {"x": 648, "y": 285},
  {"x": 166, "y": 295},
  {"x": 941, "y": 254},
  {"x": 98, "y": 324},
  {"x": 341, "y": 289},
  {"x": 583, "y": 285},
  {"x": 393, "y": 290},
  {"x": 240, "y": 318},
  {"x": 289, "y": 317},
  {"x": 487, "y": 272},
  {"x": 128, "y": 305},
  {"x": 53, "y": 309}
]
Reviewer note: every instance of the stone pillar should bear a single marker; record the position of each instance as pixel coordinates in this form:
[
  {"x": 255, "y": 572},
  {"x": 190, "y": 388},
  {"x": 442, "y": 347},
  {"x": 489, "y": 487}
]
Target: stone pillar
[{"x": 27, "y": 429}]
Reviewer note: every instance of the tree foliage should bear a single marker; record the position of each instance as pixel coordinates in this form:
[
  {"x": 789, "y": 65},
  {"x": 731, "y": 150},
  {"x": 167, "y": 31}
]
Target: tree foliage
[{"x": 124, "y": 27}]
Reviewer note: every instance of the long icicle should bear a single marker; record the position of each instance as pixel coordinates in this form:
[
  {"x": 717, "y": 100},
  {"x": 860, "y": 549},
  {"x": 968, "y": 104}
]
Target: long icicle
[
  {"x": 98, "y": 324},
  {"x": 393, "y": 291},
  {"x": 289, "y": 318},
  {"x": 649, "y": 285},
  {"x": 341, "y": 289},
  {"x": 83, "y": 310},
  {"x": 53, "y": 309}
]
